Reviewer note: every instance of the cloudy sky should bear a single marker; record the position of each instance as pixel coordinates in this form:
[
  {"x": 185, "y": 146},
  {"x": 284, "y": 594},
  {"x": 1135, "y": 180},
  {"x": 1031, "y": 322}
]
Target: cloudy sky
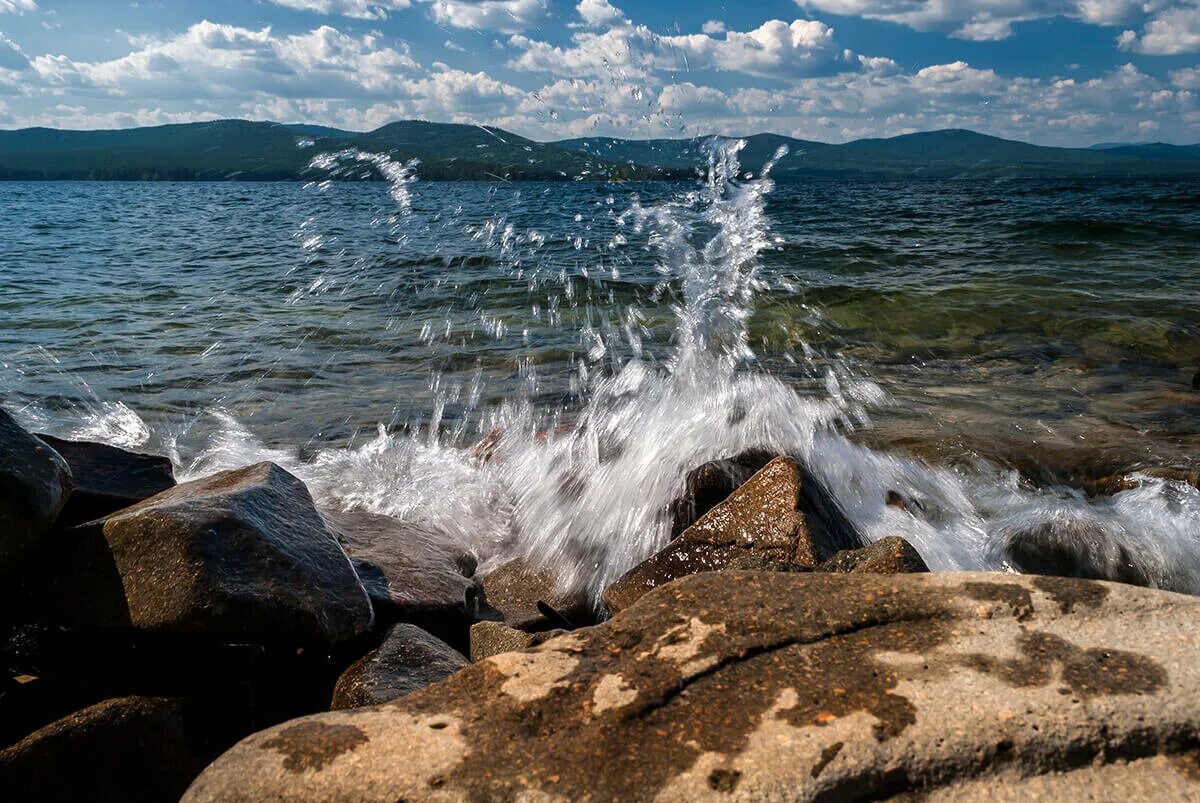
[{"x": 1067, "y": 72}]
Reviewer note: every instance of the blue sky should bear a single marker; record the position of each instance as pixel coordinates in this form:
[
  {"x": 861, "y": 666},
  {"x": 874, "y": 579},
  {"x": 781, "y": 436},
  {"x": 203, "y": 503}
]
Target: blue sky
[{"x": 1066, "y": 72}]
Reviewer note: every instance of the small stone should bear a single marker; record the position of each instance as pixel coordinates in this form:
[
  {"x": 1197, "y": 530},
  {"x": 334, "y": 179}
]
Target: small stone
[
  {"x": 891, "y": 555},
  {"x": 494, "y": 638},
  {"x": 408, "y": 660},
  {"x": 515, "y": 588}
]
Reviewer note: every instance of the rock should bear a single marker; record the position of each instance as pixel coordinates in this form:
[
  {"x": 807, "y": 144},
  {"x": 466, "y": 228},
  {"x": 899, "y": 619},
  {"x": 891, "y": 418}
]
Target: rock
[
  {"x": 240, "y": 556},
  {"x": 1079, "y": 547},
  {"x": 777, "y": 686},
  {"x": 408, "y": 572},
  {"x": 710, "y": 484},
  {"x": 34, "y": 485},
  {"x": 515, "y": 588},
  {"x": 780, "y": 514},
  {"x": 107, "y": 478},
  {"x": 493, "y": 638},
  {"x": 409, "y": 659},
  {"x": 891, "y": 555},
  {"x": 125, "y": 749}
]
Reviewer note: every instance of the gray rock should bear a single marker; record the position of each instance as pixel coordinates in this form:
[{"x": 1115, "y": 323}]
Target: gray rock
[
  {"x": 124, "y": 749},
  {"x": 107, "y": 478},
  {"x": 34, "y": 485},
  {"x": 780, "y": 515},
  {"x": 408, "y": 660},
  {"x": 493, "y": 638},
  {"x": 239, "y": 556},
  {"x": 778, "y": 686}
]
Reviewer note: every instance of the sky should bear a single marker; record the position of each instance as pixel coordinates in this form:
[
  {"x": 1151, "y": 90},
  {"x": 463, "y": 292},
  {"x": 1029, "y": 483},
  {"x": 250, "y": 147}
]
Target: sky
[{"x": 1056, "y": 72}]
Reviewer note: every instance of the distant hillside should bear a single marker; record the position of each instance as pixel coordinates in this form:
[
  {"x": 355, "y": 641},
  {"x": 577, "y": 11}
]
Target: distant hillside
[
  {"x": 935, "y": 154},
  {"x": 257, "y": 151}
]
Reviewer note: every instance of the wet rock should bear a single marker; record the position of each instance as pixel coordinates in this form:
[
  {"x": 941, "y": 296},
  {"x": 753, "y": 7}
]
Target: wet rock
[
  {"x": 1079, "y": 547},
  {"x": 239, "y": 556},
  {"x": 779, "y": 514},
  {"x": 710, "y": 484},
  {"x": 514, "y": 589},
  {"x": 410, "y": 574},
  {"x": 125, "y": 749},
  {"x": 891, "y": 555},
  {"x": 775, "y": 686},
  {"x": 34, "y": 485},
  {"x": 107, "y": 478},
  {"x": 409, "y": 659},
  {"x": 493, "y": 638}
]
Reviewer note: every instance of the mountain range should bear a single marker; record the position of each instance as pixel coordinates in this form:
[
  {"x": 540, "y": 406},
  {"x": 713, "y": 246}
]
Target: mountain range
[{"x": 263, "y": 151}]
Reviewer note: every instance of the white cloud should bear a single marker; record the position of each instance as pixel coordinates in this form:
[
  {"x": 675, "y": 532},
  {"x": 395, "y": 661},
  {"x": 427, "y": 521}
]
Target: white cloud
[
  {"x": 981, "y": 20},
  {"x": 17, "y": 6},
  {"x": 11, "y": 57},
  {"x": 504, "y": 16},
  {"x": 774, "y": 49},
  {"x": 599, "y": 12},
  {"x": 713, "y": 27},
  {"x": 1187, "y": 78},
  {"x": 1172, "y": 31},
  {"x": 355, "y": 9}
]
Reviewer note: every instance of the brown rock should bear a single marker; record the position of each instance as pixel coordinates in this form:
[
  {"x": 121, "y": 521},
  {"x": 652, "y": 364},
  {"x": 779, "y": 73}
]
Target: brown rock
[
  {"x": 493, "y": 638},
  {"x": 34, "y": 485},
  {"x": 515, "y": 588},
  {"x": 408, "y": 660},
  {"x": 779, "y": 514},
  {"x": 239, "y": 556},
  {"x": 776, "y": 686},
  {"x": 125, "y": 749},
  {"x": 891, "y": 555},
  {"x": 710, "y": 484},
  {"x": 107, "y": 478}
]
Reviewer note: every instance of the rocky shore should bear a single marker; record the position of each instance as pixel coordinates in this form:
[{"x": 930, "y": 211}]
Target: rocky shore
[{"x": 225, "y": 639}]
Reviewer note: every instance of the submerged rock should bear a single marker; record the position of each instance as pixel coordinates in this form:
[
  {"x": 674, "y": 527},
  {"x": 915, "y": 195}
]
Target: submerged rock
[
  {"x": 890, "y": 555},
  {"x": 408, "y": 660},
  {"x": 125, "y": 749},
  {"x": 515, "y": 588},
  {"x": 34, "y": 485},
  {"x": 493, "y": 638},
  {"x": 107, "y": 478},
  {"x": 779, "y": 514},
  {"x": 779, "y": 686},
  {"x": 240, "y": 555}
]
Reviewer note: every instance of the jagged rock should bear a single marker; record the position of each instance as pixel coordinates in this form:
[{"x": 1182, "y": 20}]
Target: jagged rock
[
  {"x": 891, "y": 555},
  {"x": 779, "y": 514},
  {"x": 710, "y": 484},
  {"x": 777, "y": 686},
  {"x": 493, "y": 638},
  {"x": 409, "y": 659},
  {"x": 239, "y": 556},
  {"x": 107, "y": 478},
  {"x": 34, "y": 485},
  {"x": 125, "y": 749},
  {"x": 515, "y": 588},
  {"x": 409, "y": 574}
]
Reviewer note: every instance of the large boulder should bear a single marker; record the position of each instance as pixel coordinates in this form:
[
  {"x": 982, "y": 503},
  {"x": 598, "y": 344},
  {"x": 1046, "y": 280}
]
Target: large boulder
[
  {"x": 779, "y": 686},
  {"x": 107, "y": 478},
  {"x": 408, "y": 660},
  {"x": 34, "y": 485},
  {"x": 241, "y": 556},
  {"x": 409, "y": 573},
  {"x": 780, "y": 514},
  {"x": 514, "y": 589},
  {"x": 707, "y": 485},
  {"x": 125, "y": 749}
]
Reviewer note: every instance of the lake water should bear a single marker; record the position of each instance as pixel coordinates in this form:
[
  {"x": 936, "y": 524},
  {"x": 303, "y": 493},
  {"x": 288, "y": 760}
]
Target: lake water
[{"x": 990, "y": 349}]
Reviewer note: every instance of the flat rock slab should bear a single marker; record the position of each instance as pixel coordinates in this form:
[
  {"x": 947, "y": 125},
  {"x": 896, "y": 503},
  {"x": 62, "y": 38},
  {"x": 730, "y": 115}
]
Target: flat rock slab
[
  {"x": 780, "y": 514},
  {"x": 239, "y": 556},
  {"x": 35, "y": 482},
  {"x": 408, "y": 660},
  {"x": 776, "y": 686},
  {"x": 107, "y": 478}
]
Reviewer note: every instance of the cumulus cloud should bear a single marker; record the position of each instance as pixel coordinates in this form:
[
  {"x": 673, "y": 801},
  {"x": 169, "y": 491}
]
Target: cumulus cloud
[
  {"x": 980, "y": 20},
  {"x": 502, "y": 16},
  {"x": 712, "y": 27},
  {"x": 355, "y": 9},
  {"x": 17, "y": 6},
  {"x": 599, "y": 12},
  {"x": 1172, "y": 31},
  {"x": 774, "y": 49}
]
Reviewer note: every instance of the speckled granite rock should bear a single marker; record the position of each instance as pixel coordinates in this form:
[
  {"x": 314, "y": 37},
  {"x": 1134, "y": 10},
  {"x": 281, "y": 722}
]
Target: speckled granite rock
[
  {"x": 493, "y": 638},
  {"x": 408, "y": 660},
  {"x": 891, "y": 555},
  {"x": 780, "y": 514},
  {"x": 780, "y": 686}
]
